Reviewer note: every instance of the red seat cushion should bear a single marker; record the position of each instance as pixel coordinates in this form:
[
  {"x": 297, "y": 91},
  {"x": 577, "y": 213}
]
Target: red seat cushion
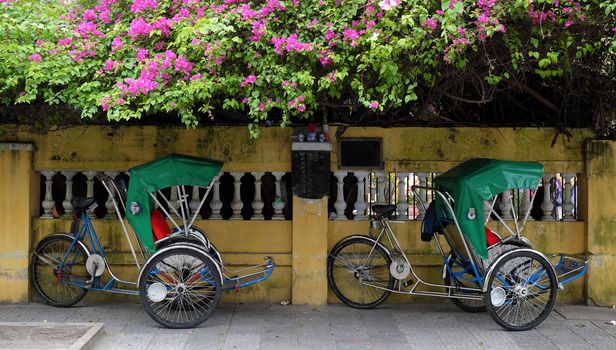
[
  {"x": 160, "y": 228},
  {"x": 491, "y": 237}
]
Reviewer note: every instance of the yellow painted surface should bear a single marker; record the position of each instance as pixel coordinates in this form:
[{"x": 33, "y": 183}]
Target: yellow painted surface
[
  {"x": 601, "y": 223},
  {"x": 309, "y": 251},
  {"x": 15, "y": 217},
  {"x": 421, "y": 149}
]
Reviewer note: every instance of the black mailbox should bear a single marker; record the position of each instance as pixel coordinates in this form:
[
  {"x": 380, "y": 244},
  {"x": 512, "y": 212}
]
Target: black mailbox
[{"x": 310, "y": 166}]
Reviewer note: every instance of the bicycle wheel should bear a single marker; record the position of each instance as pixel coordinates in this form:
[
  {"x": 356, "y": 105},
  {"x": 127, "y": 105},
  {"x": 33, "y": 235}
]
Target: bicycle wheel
[
  {"x": 356, "y": 272},
  {"x": 522, "y": 290},
  {"x": 468, "y": 305},
  {"x": 180, "y": 287},
  {"x": 62, "y": 287}
]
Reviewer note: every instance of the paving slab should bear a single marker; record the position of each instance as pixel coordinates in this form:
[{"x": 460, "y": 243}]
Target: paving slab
[{"x": 49, "y": 335}]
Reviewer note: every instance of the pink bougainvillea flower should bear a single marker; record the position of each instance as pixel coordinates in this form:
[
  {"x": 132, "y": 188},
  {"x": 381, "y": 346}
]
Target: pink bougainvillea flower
[
  {"x": 245, "y": 100},
  {"x": 89, "y": 15},
  {"x": 35, "y": 58},
  {"x": 373, "y": 105},
  {"x": 141, "y": 5},
  {"x": 388, "y": 4},
  {"x": 248, "y": 80},
  {"x": 142, "y": 54},
  {"x": 430, "y": 23}
]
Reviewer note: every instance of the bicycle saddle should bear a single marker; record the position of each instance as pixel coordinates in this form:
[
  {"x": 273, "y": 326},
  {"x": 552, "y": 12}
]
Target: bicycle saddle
[
  {"x": 79, "y": 203},
  {"x": 383, "y": 209}
]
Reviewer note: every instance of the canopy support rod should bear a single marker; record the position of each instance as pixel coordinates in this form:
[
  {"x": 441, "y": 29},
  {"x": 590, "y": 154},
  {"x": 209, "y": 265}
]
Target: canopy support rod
[
  {"x": 181, "y": 200},
  {"x": 202, "y": 202},
  {"x": 530, "y": 207}
]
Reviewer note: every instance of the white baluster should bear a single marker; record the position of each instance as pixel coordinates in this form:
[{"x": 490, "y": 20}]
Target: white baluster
[
  {"x": 487, "y": 209},
  {"x": 216, "y": 203},
  {"x": 381, "y": 178},
  {"x": 278, "y": 203},
  {"x": 48, "y": 202},
  {"x": 340, "y": 204},
  {"x": 68, "y": 207},
  {"x": 194, "y": 200},
  {"x": 547, "y": 206},
  {"x": 403, "y": 205},
  {"x": 174, "y": 201},
  {"x": 237, "y": 204},
  {"x": 257, "y": 203},
  {"x": 567, "y": 202},
  {"x": 109, "y": 202},
  {"x": 371, "y": 191},
  {"x": 423, "y": 194},
  {"x": 90, "y": 186},
  {"x": 505, "y": 205},
  {"x": 360, "y": 204},
  {"x": 524, "y": 202}
]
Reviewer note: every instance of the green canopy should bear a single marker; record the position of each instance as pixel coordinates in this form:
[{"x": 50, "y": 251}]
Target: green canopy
[
  {"x": 171, "y": 170},
  {"x": 477, "y": 180}
]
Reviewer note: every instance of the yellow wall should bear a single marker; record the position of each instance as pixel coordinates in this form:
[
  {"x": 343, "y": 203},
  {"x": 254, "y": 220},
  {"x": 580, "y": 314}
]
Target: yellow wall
[
  {"x": 17, "y": 188},
  {"x": 300, "y": 247}
]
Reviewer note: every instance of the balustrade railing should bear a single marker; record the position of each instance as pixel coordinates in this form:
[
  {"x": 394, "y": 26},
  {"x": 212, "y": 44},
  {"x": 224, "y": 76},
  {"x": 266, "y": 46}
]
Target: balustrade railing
[
  {"x": 266, "y": 195},
  {"x": 354, "y": 193},
  {"x": 235, "y": 196}
]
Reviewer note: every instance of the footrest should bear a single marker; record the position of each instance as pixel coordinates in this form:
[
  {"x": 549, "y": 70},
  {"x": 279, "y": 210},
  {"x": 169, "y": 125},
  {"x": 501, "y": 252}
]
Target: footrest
[
  {"x": 251, "y": 275},
  {"x": 569, "y": 268}
]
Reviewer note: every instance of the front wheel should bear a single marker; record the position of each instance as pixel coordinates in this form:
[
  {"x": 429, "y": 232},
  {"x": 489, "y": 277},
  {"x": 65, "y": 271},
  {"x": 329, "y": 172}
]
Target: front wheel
[
  {"x": 358, "y": 273},
  {"x": 58, "y": 271},
  {"x": 521, "y": 291},
  {"x": 180, "y": 287}
]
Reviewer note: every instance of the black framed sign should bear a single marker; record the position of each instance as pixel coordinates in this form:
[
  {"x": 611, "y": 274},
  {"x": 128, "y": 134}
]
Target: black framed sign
[{"x": 360, "y": 153}]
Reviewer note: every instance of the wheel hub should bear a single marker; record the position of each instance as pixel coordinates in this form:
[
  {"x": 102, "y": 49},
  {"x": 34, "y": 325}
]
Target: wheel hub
[{"x": 521, "y": 292}]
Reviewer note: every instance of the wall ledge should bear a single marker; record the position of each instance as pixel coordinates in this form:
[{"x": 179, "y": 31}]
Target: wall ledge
[{"x": 16, "y": 146}]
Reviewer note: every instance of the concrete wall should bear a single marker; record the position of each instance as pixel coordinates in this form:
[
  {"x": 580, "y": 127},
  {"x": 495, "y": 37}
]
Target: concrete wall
[{"x": 299, "y": 247}]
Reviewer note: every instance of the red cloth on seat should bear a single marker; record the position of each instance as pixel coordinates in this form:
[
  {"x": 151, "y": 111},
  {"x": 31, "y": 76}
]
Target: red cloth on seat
[
  {"x": 160, "y": 228},
  {"x": 491, "y": 237}
]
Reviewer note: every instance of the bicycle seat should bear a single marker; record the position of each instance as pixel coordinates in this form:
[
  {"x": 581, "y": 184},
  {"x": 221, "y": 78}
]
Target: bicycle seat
[
  {"x": 80, "y": 203},
  {"x": 383, "y": 210}
]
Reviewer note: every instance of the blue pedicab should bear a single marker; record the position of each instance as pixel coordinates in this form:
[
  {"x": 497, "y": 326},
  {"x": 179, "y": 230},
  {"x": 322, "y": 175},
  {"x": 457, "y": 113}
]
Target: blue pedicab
[
  {"x": 507, "y": 276},
  {"x": 181, "y": 274}
]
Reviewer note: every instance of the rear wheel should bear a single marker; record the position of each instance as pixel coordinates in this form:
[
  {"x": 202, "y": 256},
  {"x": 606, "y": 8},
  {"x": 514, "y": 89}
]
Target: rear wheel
[
  {"x": 521, "y": 291},
  {"x": 357, "y": 272},
  {"x": 468, "y": 305},
  {"x": 180, "y": 287},
  {"x": 58, "y": 271}
]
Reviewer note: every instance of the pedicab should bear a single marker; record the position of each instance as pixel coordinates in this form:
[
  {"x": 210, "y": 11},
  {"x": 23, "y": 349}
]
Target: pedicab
[
  {"x": 481, "y": 270},
  {"x": 181, "y": 274}
]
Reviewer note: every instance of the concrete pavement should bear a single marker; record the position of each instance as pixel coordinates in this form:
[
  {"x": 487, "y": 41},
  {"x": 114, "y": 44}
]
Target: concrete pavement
[{"x": 438, "y": 325}]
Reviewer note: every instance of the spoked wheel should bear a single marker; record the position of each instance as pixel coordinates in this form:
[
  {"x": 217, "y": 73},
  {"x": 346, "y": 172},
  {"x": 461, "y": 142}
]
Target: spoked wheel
[
  {"x": 59, "y": 285},
  {"x": 468, "y": 305},
  {"x": 522, "y": 290},
  {"x": 180, "y": 287},
  {"x": 356, "y": 272}
]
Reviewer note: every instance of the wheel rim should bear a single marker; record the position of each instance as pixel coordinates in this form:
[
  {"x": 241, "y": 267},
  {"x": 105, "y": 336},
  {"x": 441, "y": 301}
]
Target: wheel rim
[
  {"x": 60, "y": 285},
  {"x": 192, "y": 289},
  {"x": 522, "y": 291},
  {"x": 355, "y": 272}
]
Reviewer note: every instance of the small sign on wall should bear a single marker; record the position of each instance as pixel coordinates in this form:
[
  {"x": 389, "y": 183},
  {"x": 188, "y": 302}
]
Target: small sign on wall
[{"x": 360, "y": 153}]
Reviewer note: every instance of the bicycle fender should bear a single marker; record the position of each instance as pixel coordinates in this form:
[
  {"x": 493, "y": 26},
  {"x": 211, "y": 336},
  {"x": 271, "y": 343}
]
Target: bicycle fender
[
  {"x": 509, "y": 252},
  {"x": 69, "y": 236}
]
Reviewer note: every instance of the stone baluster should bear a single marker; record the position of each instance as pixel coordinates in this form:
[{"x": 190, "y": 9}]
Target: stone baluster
[
  {"x": 216, "y": 203},
  {"x": 237, "y": 204},
  {"x": 340, "y": 204},
  {"x": 278, "y": 203},
  {"x": 402, "y": 205},
  {"x": 505, "y": 205},
  {"x": 487, "y": 209},
  {"x": 174, "y": 202},
  {"x": 68, "y": 207},
  {"x": 360, "y": 204},
  {"x": 381, "y": 179},
  {"x": 90, "y": 186},
  {"x": 524, "y": 203},
  {"x": 372, "y": 184},
  {"x": 547, "y": 206},
  {"x": 567, "y": 201},
  {"x": 423, "y": 194},
  {"x": 109, "y": 202},
  {"x": 195, "y": 200},
  {"x": 257, "y": 203},
  {"x": 48, "y": 202}
]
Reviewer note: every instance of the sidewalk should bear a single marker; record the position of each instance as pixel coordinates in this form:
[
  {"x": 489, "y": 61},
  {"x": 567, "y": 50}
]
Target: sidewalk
[{"x": 256, "y": 326}]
